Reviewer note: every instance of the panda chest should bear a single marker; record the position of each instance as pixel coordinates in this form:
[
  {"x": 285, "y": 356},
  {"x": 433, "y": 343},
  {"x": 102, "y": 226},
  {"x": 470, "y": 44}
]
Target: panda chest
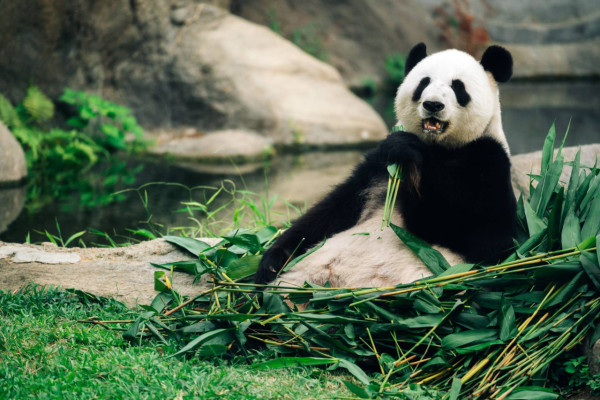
[{"x": 439, "y": 206}]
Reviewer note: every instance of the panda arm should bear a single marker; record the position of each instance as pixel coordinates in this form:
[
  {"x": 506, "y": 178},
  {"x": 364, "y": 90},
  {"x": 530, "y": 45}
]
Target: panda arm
[
  {"x": 338, "y": 211},
  {"x": 341, "y": 208}
]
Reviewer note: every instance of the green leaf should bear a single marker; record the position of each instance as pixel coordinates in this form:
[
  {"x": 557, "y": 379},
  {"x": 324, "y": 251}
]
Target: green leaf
[
  {"x": 508, "y": 328},
  {"x": 357, "y": 390},
  {"x": 456, "y": 340},
  {"x": 286, "y": 362},
  {"x": 591, "y": 268},
  {"x": 566, "y": 292},
  {"x": 247, "y": 241},
  {"x": 456, "y": 269},
  {"x": 355, "y": 370},
  {"x": 554, "y": 227},
  {"x": 433, "y": 259},
  {"x": 591, "y": 226},
  {"x": 532, "y": 393},
  {"x": 161, "y": 301},
  {"x": 205, "y": 337},
  {"x": 455, "y": 389},
  {"x": 535, "y": 224},
  {"x": 571, "y": 234},
  {"x": 160, "y": 285},
  {"x": 273, "y": 304},
  {"x": 548, "y": 184},
  {"x": 548, "y": 149},
  {"x": 243, "y": 267},
  {"x": 194, "y": 246},
  {"x": 38, "y": 105}
]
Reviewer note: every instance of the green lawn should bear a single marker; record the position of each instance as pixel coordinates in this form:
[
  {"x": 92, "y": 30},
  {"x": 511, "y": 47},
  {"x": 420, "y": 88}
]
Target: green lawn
[{"x": 46, "y": 354}]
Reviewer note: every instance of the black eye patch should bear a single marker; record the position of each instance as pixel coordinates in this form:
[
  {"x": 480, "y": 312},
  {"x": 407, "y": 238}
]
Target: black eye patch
[
  {"x": 462, "y": 96},
  {"x": 419, "y": 90}
]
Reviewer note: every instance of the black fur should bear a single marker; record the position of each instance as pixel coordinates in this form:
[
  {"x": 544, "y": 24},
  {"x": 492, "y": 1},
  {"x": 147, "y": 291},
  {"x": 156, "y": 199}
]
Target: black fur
[
  {"x": 499, "y": 62},
  {"x": 462, "y": 96},
  {"x": 465, "y": 201},
  {"x": 415, "y": 55},
  {"x": 420, "y": 87}
]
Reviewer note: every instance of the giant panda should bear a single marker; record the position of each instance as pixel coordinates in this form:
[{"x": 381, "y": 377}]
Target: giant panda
[{"x": 455, "y": 194}]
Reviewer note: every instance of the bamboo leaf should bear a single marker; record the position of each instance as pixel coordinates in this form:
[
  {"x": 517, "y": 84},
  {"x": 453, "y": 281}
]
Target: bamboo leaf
[
  {"x": 357, "y": 390},
  {"x": 571, "y": 234},
  {"x": 591, "y": 226},
  {"x": 455, "y": 388},
  {"x": 508, "y": 328},
  {"x": 548, "y": 149},
  {"x": 591, "y": 268},
  {"x": 433, "y": 259},
  {"x": 286, "y": 362},
  {"x": 355, "y": 370},
  {"x": 535, "y": 224},
  {"x": 205, "y": 337},
  {"x": 532, "y": 393},
  {"x": 456, "y": 340},
  {"x": 194, "y": 246},
  {"x": 243, "y": 267},
  {"x": 548, "y": 184}
]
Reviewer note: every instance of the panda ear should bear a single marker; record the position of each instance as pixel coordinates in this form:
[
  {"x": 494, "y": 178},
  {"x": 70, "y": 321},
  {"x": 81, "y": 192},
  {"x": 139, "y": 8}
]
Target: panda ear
[
  {"x": 498, "y": 61},
  {"x": 416, "y": 54}
]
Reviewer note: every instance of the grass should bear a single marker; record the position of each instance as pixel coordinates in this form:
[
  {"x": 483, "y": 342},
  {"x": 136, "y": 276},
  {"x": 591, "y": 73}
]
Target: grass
[{"x": 46, "y": 354}]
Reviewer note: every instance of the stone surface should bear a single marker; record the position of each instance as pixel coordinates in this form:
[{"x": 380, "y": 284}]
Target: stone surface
[
  {"x": 12, "y": 201},
  {"x": 529, "y": 163},
  {"x": 190, "y": 65},
  {"x": 121, "y": 273},
  {"x": 355, "y": 36},
  {"x": 13, "y": 168},
  {"x": 218, "y": 145}
]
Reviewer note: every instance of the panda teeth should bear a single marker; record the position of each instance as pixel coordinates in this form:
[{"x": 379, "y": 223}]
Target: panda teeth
[{"x": 433, "y": 125}]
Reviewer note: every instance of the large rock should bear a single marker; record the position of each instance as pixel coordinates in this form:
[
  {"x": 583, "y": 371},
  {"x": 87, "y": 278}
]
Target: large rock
[
  {"x": 355, "y": 36},
  {"x": 12, "y": 201},
  {"x": 190, "y": 64},
  {"x": 13, "y": 167},
  {"x": 530, "y": 163},
  {"x": 125, "y": 274}
]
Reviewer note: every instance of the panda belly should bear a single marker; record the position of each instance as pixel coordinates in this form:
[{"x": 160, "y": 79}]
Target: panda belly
[{"x": 363, "y": 256}]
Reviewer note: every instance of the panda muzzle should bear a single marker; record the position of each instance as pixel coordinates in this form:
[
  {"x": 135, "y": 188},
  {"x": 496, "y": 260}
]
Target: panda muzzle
[{"x": 434, "y": 125}]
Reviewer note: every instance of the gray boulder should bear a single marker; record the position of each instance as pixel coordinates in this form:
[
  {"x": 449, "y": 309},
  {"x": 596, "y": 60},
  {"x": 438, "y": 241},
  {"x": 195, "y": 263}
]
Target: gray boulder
[
  {"x": 530, "y": 163},
  {"x": 13, "y": 167},
  {"x": 189, "y": 64}
]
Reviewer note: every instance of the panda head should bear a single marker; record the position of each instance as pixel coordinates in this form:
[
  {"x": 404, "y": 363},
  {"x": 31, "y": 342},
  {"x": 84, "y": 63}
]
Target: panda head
[{"x": 451, "y": 99}]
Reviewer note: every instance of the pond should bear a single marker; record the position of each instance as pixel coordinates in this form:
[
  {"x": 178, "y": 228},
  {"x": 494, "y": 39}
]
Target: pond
[{"x": 529, "y": 108}]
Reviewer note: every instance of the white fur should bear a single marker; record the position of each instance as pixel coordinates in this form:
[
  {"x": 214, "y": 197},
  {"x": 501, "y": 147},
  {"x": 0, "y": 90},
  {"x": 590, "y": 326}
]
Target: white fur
[
  {"x": 481, "y": 117},
  {"x": 353, "y": 259},
  {"x": 365, "y": 256}
]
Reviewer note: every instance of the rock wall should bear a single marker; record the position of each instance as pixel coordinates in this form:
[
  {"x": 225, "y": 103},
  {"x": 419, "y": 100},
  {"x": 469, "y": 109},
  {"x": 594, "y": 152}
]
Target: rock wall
[{"x": 180, "y": 64}]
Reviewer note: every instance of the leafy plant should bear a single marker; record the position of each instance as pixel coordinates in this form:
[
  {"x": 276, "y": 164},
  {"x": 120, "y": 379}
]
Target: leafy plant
[
  {"x": 59, "y": 160},
  {"x": 467, "y": 331},
  {"x": 394, "y": 66}
]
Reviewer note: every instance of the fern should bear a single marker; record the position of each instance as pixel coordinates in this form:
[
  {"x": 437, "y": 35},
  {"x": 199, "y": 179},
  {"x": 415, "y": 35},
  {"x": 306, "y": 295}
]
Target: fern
[
  {"x": 38, "y": 105},
  {"x": 8, "y": 114}
]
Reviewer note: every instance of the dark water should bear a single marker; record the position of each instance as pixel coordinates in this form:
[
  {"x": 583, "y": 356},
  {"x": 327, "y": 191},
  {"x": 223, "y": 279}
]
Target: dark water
[{"x": 528, "y": 110}]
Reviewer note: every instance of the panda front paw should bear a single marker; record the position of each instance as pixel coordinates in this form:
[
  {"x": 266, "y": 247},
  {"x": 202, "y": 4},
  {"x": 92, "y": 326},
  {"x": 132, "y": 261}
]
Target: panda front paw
[
  {"x": 406, "y": 150},
  {"x": 270, "y": 265},
  {"x": 402, "y": 148}
]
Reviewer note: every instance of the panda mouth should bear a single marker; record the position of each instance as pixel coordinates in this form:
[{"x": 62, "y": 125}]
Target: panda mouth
[{"x": 434, "y": 125}]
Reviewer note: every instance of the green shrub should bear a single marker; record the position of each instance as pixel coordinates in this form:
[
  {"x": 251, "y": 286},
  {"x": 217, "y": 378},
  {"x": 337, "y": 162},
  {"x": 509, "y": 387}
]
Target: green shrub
[{"x": 60, "y": 159}]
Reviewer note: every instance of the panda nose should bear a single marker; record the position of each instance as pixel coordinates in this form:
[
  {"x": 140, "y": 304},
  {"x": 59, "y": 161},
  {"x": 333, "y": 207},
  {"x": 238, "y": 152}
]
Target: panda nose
[{"x": 433, "y": 106}]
